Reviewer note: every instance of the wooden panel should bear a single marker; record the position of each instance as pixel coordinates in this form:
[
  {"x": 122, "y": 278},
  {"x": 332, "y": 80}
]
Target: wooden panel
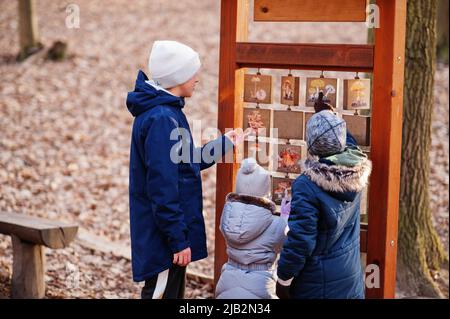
[
  {"x": 289, "y": 124},
  {"x": 53, "y": 234},
  {"x": 310, "y": 10},
  {"x": 363, "y": 237},
  {"x": 336, "y": 57},
  {"x": 359, "y": 127},
  {"x": 233, "y": 28},
  {"x": 386, "y": 144},
  {"x": 260, "y": 151}
]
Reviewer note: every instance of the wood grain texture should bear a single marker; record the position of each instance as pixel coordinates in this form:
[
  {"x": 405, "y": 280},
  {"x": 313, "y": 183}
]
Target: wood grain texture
[
  {"x": 52, "y": 234},
  {"x": 386, "y": 142},
  {"x": 233, "y": 28},
  {"x": 310, "y": 10},
  {"x": 28, "y": 270},
  {"x": 363, "y": 237},
  {"x": 303, "y": 56}
]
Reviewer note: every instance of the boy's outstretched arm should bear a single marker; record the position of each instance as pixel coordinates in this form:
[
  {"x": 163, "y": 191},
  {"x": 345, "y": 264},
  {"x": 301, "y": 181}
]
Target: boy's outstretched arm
[
  {"x": 212, "y": 151},
  {"x": 162, "y": 183},
  {"x": 301, "y": 239}
]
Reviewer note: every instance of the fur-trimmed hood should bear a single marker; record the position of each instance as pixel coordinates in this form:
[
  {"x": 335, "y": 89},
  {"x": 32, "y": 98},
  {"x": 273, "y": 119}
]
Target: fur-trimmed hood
[
  {"x": 338, "y": 178},
  {"x": 246, "y": 218},
  {"x": 252, "y": 200}
]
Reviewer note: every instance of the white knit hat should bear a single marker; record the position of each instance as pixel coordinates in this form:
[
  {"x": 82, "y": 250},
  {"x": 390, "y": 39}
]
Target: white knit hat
[
  {"x": 172, "y": 63},
  {"x": 252, "y": 179}
]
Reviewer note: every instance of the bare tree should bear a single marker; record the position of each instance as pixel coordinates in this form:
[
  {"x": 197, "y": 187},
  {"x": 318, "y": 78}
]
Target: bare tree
[
  {"x": 421, "y": 255},
  {"x": 442, "y": 44}
]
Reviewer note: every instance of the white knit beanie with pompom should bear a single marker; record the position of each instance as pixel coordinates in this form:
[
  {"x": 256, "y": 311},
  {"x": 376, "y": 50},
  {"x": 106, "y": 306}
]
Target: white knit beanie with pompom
[{"x": 252, "y": 179}]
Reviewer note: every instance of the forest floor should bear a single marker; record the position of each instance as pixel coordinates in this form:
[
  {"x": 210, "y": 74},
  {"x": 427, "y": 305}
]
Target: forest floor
[{"x": 65, "y": 129}]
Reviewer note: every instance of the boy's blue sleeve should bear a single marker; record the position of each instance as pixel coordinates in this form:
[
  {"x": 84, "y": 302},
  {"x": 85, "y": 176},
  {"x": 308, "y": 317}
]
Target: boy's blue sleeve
[
  {"x": 162, "y": 182},
  {"x": 302, "y": 235},
  {"x": 212, "y": 151}
]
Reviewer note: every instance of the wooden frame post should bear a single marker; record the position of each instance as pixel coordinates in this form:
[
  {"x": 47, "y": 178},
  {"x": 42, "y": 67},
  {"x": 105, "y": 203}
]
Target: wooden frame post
[
  {"x": 386, "y": 143},
  {"x": 385, "y": 59},
  {"x": 233, "y": 28}
]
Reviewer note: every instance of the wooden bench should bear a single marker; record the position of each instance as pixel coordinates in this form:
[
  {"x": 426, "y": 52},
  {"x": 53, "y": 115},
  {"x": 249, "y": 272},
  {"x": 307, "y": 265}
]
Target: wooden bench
[{"x": 29, "y": 236}]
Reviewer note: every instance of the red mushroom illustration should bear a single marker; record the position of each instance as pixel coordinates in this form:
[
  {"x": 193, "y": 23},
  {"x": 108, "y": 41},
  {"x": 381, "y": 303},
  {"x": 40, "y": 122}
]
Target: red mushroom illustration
[{"x": 288, "y": 159}]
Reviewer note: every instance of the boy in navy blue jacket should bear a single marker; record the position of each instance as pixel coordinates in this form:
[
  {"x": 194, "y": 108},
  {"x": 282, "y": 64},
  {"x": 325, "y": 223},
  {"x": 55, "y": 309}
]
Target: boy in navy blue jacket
[{"x": 165, "y": 187}]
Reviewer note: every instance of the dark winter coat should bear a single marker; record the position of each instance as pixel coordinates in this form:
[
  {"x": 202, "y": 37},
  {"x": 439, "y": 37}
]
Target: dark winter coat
[
  {"x": 165, "y": 186},
  {"x": 322, "y": 252}
]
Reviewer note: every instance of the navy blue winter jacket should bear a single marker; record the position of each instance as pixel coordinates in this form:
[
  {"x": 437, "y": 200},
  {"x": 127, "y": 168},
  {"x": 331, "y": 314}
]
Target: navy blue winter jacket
[
  {"x": 322, "y": 252},
  {"x": 165, "y": 186}
]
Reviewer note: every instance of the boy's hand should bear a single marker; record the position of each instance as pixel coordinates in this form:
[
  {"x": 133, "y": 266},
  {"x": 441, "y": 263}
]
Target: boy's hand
[
  {"x": 238, "y": 136},
  {"x": 182, "y": 258}
]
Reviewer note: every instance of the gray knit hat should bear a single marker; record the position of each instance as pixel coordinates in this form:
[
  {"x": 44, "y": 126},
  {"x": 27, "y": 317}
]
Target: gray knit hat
[
  {"x": 252, "y": 179},
  {"x": 326, "y": 134}
]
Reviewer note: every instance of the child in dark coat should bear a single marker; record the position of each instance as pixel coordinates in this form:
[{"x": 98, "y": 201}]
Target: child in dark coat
[{"x": 321, "y": 257}]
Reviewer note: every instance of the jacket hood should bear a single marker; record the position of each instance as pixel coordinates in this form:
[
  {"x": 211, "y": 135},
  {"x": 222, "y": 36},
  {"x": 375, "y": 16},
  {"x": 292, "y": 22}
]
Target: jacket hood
[
  {"x": 145, "y": 97},
  {"x": 344, "y": 177},
  {"x": 247, "y": 217}
]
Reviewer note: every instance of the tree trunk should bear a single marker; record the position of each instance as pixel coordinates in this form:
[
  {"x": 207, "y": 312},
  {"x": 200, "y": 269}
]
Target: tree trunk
[
  {"x": 442, "y": 28},
  {"x": 28, "y": 29},
  {"x": 420, "y": 251}
]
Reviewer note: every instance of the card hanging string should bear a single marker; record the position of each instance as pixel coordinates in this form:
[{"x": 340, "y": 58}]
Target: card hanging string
[
  {"x": 289, "y": 74},
  {"x": 356, "y": 78},
  {"x": 321, "y": 75},
  {"x": 258, "y": 73}
]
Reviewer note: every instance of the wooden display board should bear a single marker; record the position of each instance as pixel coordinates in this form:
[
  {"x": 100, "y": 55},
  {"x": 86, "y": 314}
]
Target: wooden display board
[{"x": 384, "y": 60}]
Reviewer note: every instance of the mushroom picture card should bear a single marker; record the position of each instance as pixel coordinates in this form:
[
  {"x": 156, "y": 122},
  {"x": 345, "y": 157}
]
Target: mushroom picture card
[
  {"x": 288, "y": 124},
  {"x": 357, "y": 94},
  {"x": 258, "y": 88},
  {"x": 258, "y": 119},
  {"x": 288, "y": 158},
  {"x": 281, "y": 187},
  {"x": 290, "y": 90},
  {"x": 328, "y": 86}
]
